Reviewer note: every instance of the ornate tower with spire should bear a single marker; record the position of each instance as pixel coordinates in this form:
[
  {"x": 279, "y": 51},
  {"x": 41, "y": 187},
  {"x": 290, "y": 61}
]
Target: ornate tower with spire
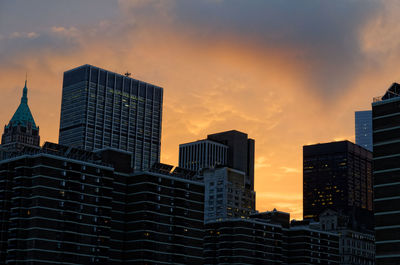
[{"x": 21, "y": 130}]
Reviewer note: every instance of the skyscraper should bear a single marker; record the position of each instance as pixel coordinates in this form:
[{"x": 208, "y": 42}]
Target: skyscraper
[
  {"x": 338, "y": 176},
  {"x": 22, "y": 129},
  {"x": 105, "y": 109},
  {"x": 226, "y": 162},
  {"x": 240, "y": 152},
  {"x": 363, "y": 126},
  {"x": 231, "y": 148},
  {"x": 386, "y": 138}
]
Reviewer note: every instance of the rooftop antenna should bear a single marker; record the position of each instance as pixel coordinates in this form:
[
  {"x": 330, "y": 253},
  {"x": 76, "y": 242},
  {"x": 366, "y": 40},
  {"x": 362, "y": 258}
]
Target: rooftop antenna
[{"x": 127, "y": 74}]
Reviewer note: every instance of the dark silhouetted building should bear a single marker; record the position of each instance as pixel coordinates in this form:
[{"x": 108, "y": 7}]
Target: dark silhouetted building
[
  {"x": 55, "y": 207},
  {"x": 164, "y": 217},
  {"x": 243, "y": 241},
  {"x": 231, "y": 148},
  {"x": 386, "y": 139},
  {"x": 363, "y": 126},
  {"x": 63, "y": 205},
  {"x": 273, "y": 217},
  {"x": 355, "y": 247},
  {"x": 269, "y": 238},
  {"x": 240, "y": 152},
  {"x": 306, "y": 244},
  {"x": 103, "y": 109},
  {"x": 22, "y": 129},
  {"x": 338, "y": 176}
]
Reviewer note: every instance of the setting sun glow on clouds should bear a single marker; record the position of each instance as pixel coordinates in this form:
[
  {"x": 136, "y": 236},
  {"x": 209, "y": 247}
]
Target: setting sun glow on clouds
[{"x": 287, "y": 74}]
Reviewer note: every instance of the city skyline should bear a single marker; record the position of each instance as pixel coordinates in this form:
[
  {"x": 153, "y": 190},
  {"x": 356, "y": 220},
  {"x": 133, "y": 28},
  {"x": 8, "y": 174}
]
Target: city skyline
[{"x": 237, "y": 76}]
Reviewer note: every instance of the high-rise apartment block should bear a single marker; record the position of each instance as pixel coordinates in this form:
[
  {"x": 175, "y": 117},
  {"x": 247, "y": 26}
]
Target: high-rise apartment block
[
  {"x": 386, "y": 138},
  {"x": 308, "y": 244},
  {"x": 103, "y": 109},
  {"x": 63, "y": 205},
  {"x": 363, "y": 126},
  {"x": 338, "y": 176},
  {"x": 243, "y": 241},
  {"x": 268, "y": 238}
]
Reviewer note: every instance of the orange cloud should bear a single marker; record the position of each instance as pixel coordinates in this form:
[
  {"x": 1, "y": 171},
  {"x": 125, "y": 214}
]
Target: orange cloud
[{"x": 210, "y": 85}]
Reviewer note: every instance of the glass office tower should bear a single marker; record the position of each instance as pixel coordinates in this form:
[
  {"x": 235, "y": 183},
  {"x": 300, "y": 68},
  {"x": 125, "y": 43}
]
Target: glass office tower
[
  {"x": 338, "y": 176},
  {"x": 363, "y": 126},
  {"x": 386, "y": 137},
  {"x": 104, "y": 109}
]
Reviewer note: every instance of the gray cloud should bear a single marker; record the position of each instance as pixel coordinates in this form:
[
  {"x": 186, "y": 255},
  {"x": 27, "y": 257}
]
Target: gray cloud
[{"x": 323, "y": 35}]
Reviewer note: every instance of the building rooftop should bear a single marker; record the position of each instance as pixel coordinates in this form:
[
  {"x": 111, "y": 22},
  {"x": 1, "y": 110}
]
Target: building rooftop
[
  {"x": 392, "y": 92},
  {"x": 23, "y": 115}
]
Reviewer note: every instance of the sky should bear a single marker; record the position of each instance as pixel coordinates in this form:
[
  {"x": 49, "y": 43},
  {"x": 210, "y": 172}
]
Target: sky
[{"x": 288, "y": 73}]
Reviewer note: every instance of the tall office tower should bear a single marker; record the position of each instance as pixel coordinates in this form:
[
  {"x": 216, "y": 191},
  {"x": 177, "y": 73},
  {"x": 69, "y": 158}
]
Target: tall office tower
[
  {"x": 225, "y": 194},
  {"x": 22, "y": 129},
  {"x": 240, "y": 152},
  {"x": 103, "y": 109},
  {"x": 363, "y": 126},
  {"x": 338, "y": 176},
  {"x": 231, "y": 148},
  {"x": 202, "y": 154},
  {"x": 386, "y": 137}
]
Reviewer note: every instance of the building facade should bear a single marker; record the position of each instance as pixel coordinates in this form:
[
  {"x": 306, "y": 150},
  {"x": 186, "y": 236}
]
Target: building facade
[
  {"x": 338, "y": 176},
  {"x": 243, "y": 241},
  {"x": 231, "y": 148},
  {"x": 202, "y": 154},
  {"x": 22, "y": 129},
  {"x": 363, "y": 126},
  {"x": 355, "y": 247},
  {"x": 63, "y": 205},
  {"x": 225, "y": 194},
  {"x": 55, "y": 209},
  {"x": 165, "y": 220},
  {"x": 307, "y": 245},
  {"x": 104, "y": 109},
  {"x": 240, "y": 152},
  {"x": 386, "y": 139}
]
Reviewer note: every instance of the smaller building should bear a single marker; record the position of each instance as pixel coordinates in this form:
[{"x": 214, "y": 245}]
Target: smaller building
[
  {"x": 202, "y": 154},
  {"x": 355, "y": 247},
  {"x": 273, "y": 217},
  {"x": 307, "y": 244},
  {"x": 243, "y": 241},
  {"x": 226, "y": 195}
]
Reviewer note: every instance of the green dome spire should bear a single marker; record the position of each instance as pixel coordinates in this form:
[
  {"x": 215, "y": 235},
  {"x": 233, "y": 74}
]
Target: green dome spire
[{"x": 23, "y": 115}]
